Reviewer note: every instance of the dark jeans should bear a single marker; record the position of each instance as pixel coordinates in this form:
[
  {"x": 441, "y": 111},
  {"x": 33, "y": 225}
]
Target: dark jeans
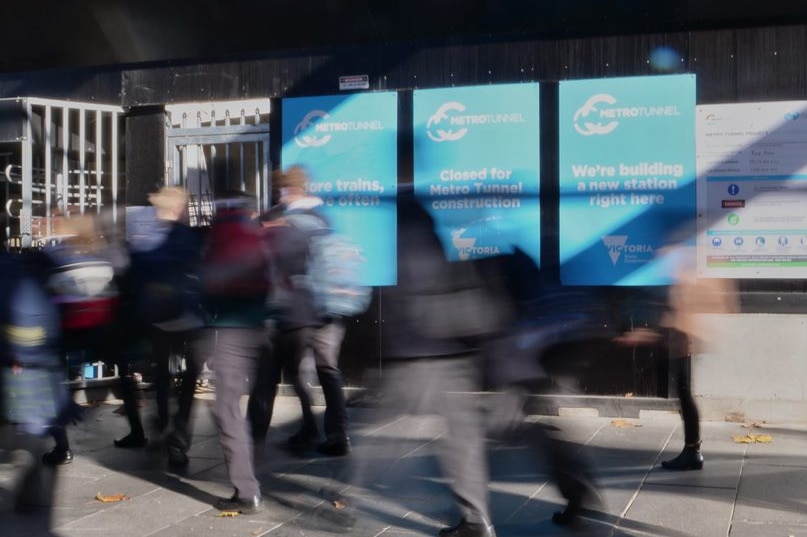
[
  {"x": 689, "y": 410},
  {"x": 286, "y": 356},
  {"x": 261, "y": 403},
  {"x": 164, "y": 344}
]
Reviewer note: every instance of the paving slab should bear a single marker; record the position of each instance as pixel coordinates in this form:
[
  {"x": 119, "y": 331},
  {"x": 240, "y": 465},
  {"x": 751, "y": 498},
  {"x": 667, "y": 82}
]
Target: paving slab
[
  {"x": 392, "y": 485},
  {"x": 772, "y": 494}
]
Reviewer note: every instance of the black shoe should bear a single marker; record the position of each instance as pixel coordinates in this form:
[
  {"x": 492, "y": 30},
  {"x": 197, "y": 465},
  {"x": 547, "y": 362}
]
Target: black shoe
[
  {"x": 177, "y": 458},
  {"x": 56, "y": 457},
  {"x": 338, "y": 447},
  {"x": 131, "y": 441},
  {"x": 303, "y": 440},
  {"x": 177, "y": 447},
  {"x": 690, "y": 458},
  {"x": 569, "y": 516},
  {"x": 246, "y": 506},
  {"x": 580, "y": 494},
  {"x": 468, "y": 529},
  {"x": 158, "y": 425}
]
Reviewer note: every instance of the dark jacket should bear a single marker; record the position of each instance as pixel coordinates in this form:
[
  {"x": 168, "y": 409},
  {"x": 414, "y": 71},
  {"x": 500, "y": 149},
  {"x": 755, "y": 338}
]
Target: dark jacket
[
  {"x": 32, "y": 391},
  {"x": 290, "y": 251},
  {"x": 420, "y": 262},
  {"x": 168, "y": 260}
]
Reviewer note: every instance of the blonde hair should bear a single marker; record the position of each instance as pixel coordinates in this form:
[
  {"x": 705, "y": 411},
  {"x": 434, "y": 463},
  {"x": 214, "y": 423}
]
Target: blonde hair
[
  {"x": 169, "y": 201},
  {"x": 294, "y": 177},
  {"x": 82, "y": 232}
]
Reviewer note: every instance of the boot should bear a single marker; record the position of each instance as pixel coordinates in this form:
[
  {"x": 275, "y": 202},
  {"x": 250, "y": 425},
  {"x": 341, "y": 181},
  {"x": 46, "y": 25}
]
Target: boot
[{"x": 689, "y": 459}]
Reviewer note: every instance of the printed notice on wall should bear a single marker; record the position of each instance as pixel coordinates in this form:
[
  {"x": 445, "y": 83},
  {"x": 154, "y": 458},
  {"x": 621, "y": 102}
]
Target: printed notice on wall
[
  {"x": 476, "y": 156},
  {"x": 349, "y": 143},
  {"x": 752, "y": 190},
  {"x": 627, "y": 173}
]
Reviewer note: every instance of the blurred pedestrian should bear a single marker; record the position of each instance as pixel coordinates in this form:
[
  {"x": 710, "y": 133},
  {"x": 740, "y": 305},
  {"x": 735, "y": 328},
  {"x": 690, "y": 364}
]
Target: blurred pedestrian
[
  {"x": 552, "y": 333},
  {"x": 33, "y": 395},
  {"x": 687, "y": 300},
  {"x": 235, "y": 283},
  {"x": 293, "y": 226},
  {"x": 81, "y": 281},
  {"x": 427, "y": 365},
  {"x": 165, "y": 257}
]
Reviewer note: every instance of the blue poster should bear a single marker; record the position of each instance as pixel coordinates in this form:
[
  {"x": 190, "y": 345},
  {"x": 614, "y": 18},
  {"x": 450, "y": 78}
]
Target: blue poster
[
  {"x": 349, "y": 144},
  {"x": 477, "y": 167},
  {"x": 627, "y": 177}
]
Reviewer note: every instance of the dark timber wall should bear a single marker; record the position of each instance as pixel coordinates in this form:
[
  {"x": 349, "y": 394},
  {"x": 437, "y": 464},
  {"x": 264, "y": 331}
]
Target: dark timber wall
[{"x": 732, "y": 65}]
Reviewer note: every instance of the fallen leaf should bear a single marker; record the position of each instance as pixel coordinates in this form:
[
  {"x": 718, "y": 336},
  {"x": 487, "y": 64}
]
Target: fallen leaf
[
  {"x": 623, "y": 424},
  {"x": 228, "y": 514},
  {"x": 339, "y": 504},
  {"x": 629, "y": 394},
  {"x": 754, "y": 425},
  {"x": 735, "y": 417},
  {"x": 752, "y": 438},
  {"x": 110, "y": 498}
]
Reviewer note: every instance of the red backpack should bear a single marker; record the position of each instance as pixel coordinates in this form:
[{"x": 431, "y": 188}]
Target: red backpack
[{"x": 235, "y": 260}]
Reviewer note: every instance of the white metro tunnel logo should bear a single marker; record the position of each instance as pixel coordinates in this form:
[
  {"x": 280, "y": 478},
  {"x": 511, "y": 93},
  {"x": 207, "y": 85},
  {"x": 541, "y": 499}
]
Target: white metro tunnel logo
[
  {"x": 315, "y": 131},
  {"x": 449, "y": 124},
  {"x": 590, "y": 108},
  {"x": 598, "y": 116},
  {"x": 301, "y": 136},
  {"x": 441, "y": 117}
]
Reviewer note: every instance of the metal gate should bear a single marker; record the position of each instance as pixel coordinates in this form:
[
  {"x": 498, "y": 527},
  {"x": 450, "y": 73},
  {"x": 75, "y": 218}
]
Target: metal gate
[
  {"x": 216, "y": 147},
  {"x": 58, "y": 157}
]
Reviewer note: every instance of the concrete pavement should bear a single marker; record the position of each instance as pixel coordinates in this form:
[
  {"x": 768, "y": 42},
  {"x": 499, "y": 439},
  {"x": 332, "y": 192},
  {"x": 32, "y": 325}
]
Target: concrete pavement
[{"x": 745, "y": 490}]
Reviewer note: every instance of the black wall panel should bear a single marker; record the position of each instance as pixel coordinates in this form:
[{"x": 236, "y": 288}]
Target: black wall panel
[
  {"x": 713, "y": 60},
  {"x": 145, "y": 153},
  {"x": 731, "y": 64}
]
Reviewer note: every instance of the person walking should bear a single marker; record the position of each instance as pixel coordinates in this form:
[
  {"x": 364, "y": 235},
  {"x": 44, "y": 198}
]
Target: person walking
[
  {"x": 165, "y": 257},
  {"x": 234, "y": 278},
  {"x": 687, "y": 299},
  {"x": 425, "y": 371},
  {"x": 291, "y": 226}
]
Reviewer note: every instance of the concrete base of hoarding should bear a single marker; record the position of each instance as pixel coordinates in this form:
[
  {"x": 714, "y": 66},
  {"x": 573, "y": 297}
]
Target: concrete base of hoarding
[{"x": 753, "y": 369}]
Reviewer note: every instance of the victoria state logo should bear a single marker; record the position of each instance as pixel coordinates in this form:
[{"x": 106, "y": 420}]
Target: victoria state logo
[
  {"x": 618, "y": 245},
  {"x": 301, "y": 136},
  {"x": 588, "y": 128},
  {"x": 480, "y": 238},
  {"x": 440, "y": 118}
]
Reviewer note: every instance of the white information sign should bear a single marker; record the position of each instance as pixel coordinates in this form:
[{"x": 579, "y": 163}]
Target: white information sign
[
  {"x": 752, "y": 190},
  {"x": 354, "y": 82}
]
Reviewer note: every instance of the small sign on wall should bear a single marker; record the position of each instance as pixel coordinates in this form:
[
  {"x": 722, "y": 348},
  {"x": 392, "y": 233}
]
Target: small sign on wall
[{"x": 354, "y": 82}]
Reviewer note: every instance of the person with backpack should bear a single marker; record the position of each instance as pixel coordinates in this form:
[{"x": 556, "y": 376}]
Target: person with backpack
[
  {"x": 33, "y": 395},
  {"x": 164, "y": 260},
  {"x": 235, "y": 282},
  {"x": 315, "y": 291},
  {"x": 81, "y": 280}
]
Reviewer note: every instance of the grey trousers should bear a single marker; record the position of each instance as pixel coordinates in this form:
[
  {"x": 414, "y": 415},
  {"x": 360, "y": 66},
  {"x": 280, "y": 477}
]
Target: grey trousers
[
  {"x": 431, "y": 386},
  {"x": 235, "y": 362}
]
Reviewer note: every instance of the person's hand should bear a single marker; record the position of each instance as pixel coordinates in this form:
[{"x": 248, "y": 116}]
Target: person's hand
[{"x": 639, "y": 336}]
